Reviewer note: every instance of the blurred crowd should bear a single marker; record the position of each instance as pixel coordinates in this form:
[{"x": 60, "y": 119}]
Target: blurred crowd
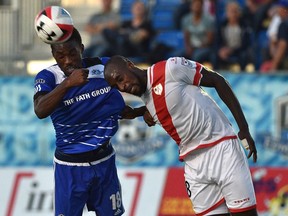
[{"x": 225, "y": 34}]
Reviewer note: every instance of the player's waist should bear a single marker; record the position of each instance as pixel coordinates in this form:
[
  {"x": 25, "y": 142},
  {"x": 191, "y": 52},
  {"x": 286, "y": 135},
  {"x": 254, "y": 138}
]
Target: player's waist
[
  {"x": 196, "y": 146},
  {"x": 103, "y": 151}
]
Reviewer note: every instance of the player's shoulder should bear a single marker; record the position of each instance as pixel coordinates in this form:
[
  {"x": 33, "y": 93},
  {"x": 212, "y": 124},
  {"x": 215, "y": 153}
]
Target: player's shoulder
[
  {"x": 52, "y": 73},
  {"x": 174, "y": 60},
  {"x": 45, "y": 72},
  {"x": 180, "y": 62},
  {"x": 96, "y": 66}
]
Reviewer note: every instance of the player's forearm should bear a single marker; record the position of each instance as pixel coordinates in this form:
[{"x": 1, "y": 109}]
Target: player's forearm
[
  {"x": 140, "y": 111},
  {"x": 44, "y": 105},
  {"x": 228, "y": 97},
  {"x": 131, "y": 113}
]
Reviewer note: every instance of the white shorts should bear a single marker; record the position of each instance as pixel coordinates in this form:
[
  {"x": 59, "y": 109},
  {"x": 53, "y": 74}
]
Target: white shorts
[{"x": 218, "y": 179}]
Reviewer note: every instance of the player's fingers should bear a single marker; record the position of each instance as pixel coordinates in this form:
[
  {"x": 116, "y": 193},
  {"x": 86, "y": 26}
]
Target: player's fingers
[
  {"x": 249, "y": 154},
  {"x": 150, "y": 123},
  {"x": 85, "y": 74},
  {"x": 86, "y": 71},
  {"x": 255, "y": 157}
]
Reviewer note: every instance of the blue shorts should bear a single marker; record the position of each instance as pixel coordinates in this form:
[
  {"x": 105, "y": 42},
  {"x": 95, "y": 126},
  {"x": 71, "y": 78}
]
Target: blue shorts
[{"x": 95, "y": 184}]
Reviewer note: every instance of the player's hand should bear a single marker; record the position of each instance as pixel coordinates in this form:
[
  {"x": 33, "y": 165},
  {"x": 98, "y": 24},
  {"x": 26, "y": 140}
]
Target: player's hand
[
  {"x": 245, "y": 135},
  {"x": 148, "y": 119},
  {"x": 78, "y": 77}
]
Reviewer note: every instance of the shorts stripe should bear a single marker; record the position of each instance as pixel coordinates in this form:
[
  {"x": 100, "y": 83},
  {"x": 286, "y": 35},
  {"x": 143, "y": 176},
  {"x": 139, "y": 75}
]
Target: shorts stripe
[{"x": 211, "y": 208}]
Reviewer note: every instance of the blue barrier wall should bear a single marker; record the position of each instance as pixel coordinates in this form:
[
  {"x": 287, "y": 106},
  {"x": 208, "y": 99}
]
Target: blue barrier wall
[{"x": 26, "y": 140}]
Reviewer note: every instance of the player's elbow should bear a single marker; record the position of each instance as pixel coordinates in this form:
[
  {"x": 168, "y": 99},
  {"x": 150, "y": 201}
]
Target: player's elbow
[
  {"x": 220, "y": 83},
  {"x": 39, "y": 114}
]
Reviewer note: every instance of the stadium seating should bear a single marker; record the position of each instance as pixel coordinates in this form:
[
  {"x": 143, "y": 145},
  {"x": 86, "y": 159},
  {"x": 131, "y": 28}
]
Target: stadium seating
[
  {"x": 173, "y": 39},
  {"x": 162, "y": 14},
  {"x": 125, "y": 8},
  {"x": 261, "y": 43}
]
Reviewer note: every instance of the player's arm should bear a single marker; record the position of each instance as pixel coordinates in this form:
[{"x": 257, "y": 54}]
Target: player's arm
[
  {"x": 45, "y": 103},
  {"x": 131, "y": 113},
  {"x": 225, "y": 92}
]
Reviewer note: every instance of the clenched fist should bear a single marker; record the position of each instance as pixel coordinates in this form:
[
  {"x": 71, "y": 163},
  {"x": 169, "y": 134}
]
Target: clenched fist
[{"x": 78, "y": 77}]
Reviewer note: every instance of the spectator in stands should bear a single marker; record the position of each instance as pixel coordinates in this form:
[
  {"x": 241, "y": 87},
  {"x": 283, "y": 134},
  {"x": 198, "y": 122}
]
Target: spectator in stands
[
  {"x": 259, "y": 22},
  {"x": 249, "y": 11},
  {"x": 232, "y": 39},
  {"x": 134, "y": 36},
  {"x": 273, "y": 25},
  {"x": 198, "y": 30},
  {"x": 271, "y": 34},
  {"x": 262, "y": 18},
  {"x": 279, "y": 49},
  {"x": 209, "y": 6},
  {"x": 182, "y": 9},
  {"x": 106, "y": 19}
]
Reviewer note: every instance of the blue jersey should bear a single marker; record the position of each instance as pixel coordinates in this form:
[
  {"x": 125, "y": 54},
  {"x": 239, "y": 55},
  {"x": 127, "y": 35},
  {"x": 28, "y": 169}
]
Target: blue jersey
[{"x": 88, "y": 115}]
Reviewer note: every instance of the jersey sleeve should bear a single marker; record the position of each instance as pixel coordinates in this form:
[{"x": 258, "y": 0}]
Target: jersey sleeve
[
  {"x": 185, "y": 70},
  {"x": 44, "y": 82},
  {"x": 104, "y": 60}
]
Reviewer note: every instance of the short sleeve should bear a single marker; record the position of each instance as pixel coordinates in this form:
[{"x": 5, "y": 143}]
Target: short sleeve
[
  {"x": 44, "y": 82},
  {"x": 104, "y": 60},
  {"x": 185, "y": 70}
]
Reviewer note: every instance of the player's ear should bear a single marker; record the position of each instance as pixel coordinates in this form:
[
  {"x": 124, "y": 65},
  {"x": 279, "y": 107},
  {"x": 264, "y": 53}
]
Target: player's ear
[{"x": 130, "y": 64}]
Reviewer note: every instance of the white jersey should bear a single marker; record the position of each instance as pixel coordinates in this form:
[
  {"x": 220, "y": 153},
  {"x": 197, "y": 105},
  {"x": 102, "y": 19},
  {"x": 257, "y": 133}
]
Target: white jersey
[{"x": 188, "y": 114}]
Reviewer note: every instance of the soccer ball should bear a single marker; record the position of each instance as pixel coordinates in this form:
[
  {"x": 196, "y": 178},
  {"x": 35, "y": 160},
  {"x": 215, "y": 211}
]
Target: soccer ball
[{"x": 54, "y": 25}]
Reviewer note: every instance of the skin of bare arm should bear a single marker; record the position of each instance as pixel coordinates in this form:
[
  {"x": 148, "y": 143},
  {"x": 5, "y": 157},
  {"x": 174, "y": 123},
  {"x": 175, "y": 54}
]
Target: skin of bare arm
[
  {"x": 45, "y": 104},
  {"x": 213, "y": 79}
]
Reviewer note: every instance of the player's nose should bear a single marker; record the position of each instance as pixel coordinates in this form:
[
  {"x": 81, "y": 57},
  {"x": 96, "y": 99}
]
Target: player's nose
[{"x": 67, "y": 60}]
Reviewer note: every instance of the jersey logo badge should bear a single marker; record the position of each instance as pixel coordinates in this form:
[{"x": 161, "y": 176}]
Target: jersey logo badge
[
  {"x": 158, "y": 89},
  {"x": 96, "y": 72}
]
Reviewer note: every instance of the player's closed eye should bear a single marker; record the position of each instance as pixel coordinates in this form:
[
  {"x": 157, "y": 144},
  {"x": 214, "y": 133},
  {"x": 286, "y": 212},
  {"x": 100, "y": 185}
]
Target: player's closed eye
[{"x": 60, "y": 57}]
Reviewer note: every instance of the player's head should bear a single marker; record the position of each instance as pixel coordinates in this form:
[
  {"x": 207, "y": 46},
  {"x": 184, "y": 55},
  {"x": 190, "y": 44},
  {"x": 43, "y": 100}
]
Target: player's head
[
  {"x": 122, "y": 74},
  {"x": 283, "y": 8},
  {"x": 68, "y": 55},
  {"x": 196, "y": 6}
]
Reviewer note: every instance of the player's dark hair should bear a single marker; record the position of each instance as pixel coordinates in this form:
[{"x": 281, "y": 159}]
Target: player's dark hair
[{"x": 74, "y": 37}]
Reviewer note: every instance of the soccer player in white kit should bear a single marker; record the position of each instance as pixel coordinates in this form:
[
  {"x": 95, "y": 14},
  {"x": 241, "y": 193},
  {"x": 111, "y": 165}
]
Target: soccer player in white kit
[{"x": 217, "y": 174}]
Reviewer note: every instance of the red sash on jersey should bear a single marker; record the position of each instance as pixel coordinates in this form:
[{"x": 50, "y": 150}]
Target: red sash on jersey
[{"x": 158, "y": 94}]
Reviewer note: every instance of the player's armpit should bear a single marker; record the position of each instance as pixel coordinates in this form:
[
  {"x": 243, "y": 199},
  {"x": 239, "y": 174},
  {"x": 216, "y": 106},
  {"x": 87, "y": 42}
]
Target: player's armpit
[{"x": 210, "y": 78}]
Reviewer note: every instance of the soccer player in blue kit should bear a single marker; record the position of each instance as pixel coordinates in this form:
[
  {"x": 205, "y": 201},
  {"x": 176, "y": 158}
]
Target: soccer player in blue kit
[{"x": 85, "y": 111}]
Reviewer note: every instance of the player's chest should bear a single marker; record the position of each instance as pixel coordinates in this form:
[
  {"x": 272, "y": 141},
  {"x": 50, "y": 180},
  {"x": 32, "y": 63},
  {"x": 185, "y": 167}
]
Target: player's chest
[
  {"x": 166, "y": 99},
  {"x": 95, "y": 89}
]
